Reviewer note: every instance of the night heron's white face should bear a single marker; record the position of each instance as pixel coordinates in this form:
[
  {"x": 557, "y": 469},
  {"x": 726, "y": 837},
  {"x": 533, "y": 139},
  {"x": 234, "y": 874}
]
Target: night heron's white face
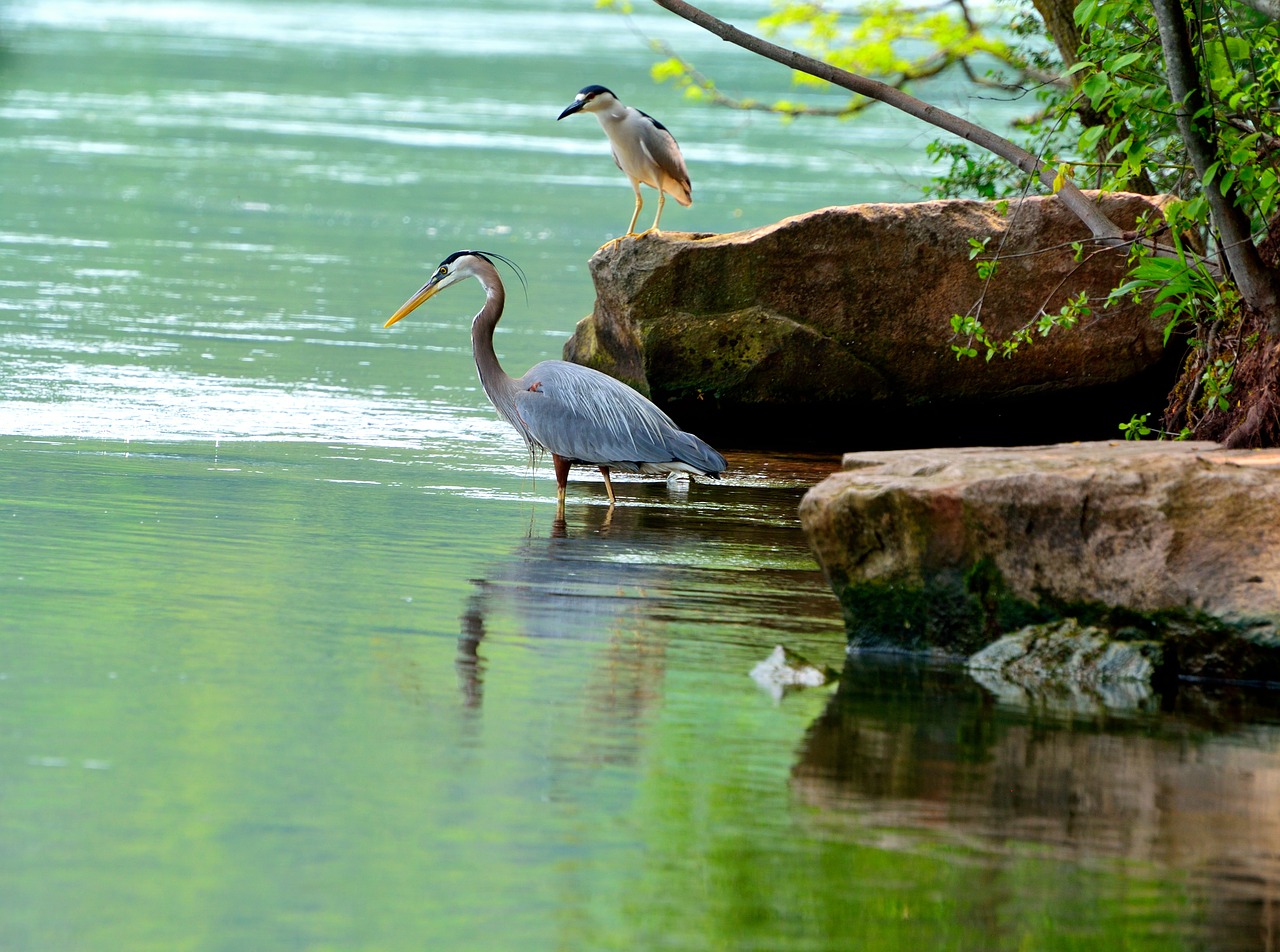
[{"x": 590, "y": 99}]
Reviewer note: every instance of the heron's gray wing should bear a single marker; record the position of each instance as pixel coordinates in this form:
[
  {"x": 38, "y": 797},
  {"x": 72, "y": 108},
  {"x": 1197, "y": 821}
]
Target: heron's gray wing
[
  {"x": 581, "y": 414},
  {"x": 661, "y": 146}
]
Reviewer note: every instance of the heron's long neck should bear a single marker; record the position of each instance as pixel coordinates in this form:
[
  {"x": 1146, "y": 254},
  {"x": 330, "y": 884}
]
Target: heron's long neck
[
  {"x": 500, "y": 388},
  {"x": 609, "y": 118}
]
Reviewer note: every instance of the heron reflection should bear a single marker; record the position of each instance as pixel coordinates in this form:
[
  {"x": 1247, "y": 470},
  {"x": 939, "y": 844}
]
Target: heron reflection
[{"x": 605, "y": 581}]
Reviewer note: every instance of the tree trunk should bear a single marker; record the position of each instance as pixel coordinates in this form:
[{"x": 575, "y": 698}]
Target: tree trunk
[{"x": 1259, "y": 285}]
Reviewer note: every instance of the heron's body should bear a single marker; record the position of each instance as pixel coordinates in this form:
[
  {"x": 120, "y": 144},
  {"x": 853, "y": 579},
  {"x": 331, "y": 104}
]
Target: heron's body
[
  {"x": 642, "y": 148},
  {"x": 576, "y": 414}
]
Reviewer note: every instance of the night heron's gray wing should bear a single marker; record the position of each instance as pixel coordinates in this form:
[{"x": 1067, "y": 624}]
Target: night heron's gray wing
[
  {"x": 660, "y": 145},
  {"x": 583, "y": 415}
]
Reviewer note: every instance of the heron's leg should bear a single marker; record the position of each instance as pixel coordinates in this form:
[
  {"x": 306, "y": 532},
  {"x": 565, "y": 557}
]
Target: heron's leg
[
  {"x": 662, "y": 199},
  {"x": 608, "y": 484},
  {"x": 631, "y": 229},
  {"x": 562, "y": 478}
]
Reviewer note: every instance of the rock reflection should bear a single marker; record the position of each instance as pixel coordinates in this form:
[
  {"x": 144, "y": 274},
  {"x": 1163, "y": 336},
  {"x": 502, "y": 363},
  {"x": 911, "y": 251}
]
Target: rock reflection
[{"x": 906, "y": 753}]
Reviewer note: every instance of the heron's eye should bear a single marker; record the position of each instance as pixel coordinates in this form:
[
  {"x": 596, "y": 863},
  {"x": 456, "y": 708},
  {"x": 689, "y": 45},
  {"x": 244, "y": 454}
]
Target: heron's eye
[{"x": 443, "y": 270}]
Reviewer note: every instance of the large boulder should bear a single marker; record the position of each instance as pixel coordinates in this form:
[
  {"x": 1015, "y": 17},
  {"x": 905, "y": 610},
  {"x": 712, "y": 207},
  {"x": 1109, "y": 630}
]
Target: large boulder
[
  {"x": 949, "y": 549},
  {"x": 834, "y": 327}
]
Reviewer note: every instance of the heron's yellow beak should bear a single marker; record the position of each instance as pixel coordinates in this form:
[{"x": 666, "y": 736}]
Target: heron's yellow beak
[{"x": 426, "y": 291}]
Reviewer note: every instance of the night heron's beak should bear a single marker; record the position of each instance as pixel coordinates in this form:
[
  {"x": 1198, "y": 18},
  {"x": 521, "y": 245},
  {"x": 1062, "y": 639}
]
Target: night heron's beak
[
  {"x": 426, "y": 291},
  {"x": 575, "y": 106}
]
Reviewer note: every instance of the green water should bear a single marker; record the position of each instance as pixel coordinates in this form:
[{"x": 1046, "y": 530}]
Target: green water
[{"x": 293, "y": 652}]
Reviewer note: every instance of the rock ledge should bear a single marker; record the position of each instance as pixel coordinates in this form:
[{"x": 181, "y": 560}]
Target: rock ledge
[{"x": 950, "y": 549}]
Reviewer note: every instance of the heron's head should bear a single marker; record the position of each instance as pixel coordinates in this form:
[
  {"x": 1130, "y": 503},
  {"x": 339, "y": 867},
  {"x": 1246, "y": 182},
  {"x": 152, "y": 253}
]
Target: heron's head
[
  {"x": 457, "y": 267},
  {"x": 589, "y": 99}
]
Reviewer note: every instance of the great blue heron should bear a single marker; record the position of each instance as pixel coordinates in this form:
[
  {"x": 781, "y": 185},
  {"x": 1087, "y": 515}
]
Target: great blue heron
[
  {"x": 577, "y": 414},
  {"x": 642, "y": 147}
]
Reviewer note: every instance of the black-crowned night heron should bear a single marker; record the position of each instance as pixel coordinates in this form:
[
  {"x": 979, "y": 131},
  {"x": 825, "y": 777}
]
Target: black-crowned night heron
[
  {"x": 643, "y": 148},
  {"x": 577, "y": 414}
]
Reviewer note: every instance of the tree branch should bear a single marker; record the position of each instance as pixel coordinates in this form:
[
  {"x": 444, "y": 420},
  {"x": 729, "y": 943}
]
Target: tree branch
[{"x": 1098, "y": 224}]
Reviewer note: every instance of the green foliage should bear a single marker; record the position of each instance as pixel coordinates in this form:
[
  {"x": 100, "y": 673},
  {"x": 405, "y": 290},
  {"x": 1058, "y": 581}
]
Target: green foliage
[
  {"x": 888, "y": 40},
  {"x": 1115, "y": 118},
  {"x": 1122, "y": 75},
  {"x": 1136, "y": 428},
  {"x": 986, "y": 266},
  {"x": 1217, "y": 383},
  {"x": 1118, "y": 125},
  {"x": 972, "y": 173},
  {"x": 978, "y": 338},
  {"x": 1183, "y": 289}
]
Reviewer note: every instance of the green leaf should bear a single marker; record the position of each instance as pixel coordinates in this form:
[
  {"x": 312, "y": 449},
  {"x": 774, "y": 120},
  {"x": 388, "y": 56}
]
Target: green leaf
[
  {"x": 1120, "y": 62},
  {"x": 1090, "y": 137},
  {"x": 1084, "y": 12},
  {"x": 1095, "y": 86}
]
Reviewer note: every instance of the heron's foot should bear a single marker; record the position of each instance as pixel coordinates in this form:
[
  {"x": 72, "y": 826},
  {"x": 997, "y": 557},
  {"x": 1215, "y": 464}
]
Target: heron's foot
[{"x": 613, "y": 243}]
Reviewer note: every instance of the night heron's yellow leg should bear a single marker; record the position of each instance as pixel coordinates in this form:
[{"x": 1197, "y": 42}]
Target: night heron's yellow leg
[
  {"x": 662, "y": 199},
  {"x": 631, "y": 229},
  {"x": 608, "y": 484}
]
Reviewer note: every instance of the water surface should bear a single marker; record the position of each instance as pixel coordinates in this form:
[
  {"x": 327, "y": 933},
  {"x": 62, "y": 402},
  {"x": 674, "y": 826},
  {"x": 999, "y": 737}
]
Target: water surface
[{"x": 293, "y": 652}]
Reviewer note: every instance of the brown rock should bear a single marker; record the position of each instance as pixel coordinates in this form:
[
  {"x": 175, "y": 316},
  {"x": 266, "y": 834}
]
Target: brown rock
[
  {"x": 837, "y": 323},
  {"x": 950, "y": 549}
]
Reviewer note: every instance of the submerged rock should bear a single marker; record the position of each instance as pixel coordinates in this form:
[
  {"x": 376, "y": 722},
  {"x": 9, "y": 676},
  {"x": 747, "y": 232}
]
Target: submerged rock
[
  {"x": 785, "y": 670},
  {"x": 949, "y": 550},
  {"x": 834, "y": 327},
  {"x": 1067, "y": 665}
]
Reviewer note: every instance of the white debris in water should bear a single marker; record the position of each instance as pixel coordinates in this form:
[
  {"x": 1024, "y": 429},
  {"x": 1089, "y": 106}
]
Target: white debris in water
[{"x": 784, "y": 669}]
